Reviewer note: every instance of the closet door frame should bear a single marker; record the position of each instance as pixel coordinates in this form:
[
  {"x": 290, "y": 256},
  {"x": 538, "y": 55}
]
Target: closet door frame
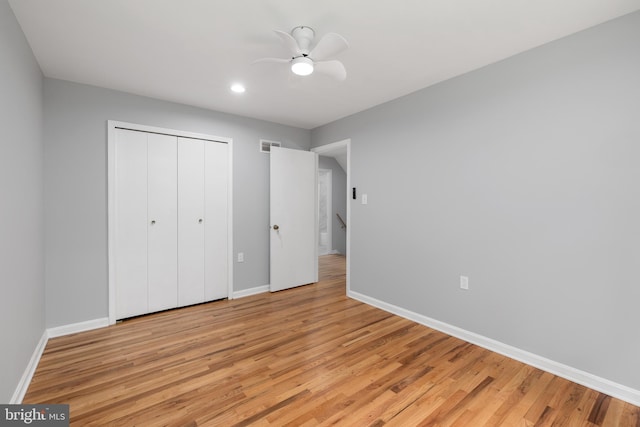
[{"x": 112, "y": 125}]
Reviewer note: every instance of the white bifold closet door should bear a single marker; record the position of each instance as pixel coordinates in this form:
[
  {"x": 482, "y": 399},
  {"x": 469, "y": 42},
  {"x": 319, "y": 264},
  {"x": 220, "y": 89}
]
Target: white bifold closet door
[
  {"x": 162, "y": 204},
  {"x": 216, "y": 221},
  {"x": 171, "y": 222},
  {"x": 131, "y": 226},
  {"x": 202, "y": 200},
  {"x": 191, "y": 221}
]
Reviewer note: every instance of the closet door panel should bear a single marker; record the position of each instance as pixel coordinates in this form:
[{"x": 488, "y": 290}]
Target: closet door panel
[
  {"x": 216, "y": 221},
  {"x": 191, "y": 221},
  {"x": 131, "y": 223},
  {"x": 162, "y": 222}
]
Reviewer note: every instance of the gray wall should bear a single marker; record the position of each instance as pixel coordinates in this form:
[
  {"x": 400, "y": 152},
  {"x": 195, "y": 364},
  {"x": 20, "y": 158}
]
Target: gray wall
[
  {"x": 21, "y": 213},
  {"x": 76, "y": 188},
  {"x": 338, "y": 202},
  {"x": 524, "y": 176}
]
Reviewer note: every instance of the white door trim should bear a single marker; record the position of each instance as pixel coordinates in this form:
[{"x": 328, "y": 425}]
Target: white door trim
[
  {"x": 326, "y": 150},
  {"x": 112, "y": 125}
]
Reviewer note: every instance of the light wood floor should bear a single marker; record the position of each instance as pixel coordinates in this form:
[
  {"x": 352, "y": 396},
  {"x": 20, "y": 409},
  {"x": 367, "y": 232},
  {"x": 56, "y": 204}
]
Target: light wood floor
[{"x": 302, "y": 357}]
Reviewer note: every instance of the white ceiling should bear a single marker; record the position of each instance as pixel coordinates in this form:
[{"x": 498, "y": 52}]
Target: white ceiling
[{"x": 190, "y": 51}]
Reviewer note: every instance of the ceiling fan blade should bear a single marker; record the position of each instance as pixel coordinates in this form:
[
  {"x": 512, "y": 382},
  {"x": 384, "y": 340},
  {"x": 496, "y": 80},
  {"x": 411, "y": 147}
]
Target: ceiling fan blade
[
  {"x": 289, "y": 42},
  {"x": 329, "y": 45},
  {"x": 332, "y": 68},
  {"x": 272, "y": 60}
]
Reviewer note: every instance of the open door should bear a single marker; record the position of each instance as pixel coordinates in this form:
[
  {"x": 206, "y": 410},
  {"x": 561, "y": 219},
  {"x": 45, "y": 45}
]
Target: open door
[{"x": 293, "y": 213}]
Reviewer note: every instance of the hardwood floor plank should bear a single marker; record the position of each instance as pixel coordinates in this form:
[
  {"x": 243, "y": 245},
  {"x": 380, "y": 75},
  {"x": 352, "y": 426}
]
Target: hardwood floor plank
[{"x": 302, "y": 357}]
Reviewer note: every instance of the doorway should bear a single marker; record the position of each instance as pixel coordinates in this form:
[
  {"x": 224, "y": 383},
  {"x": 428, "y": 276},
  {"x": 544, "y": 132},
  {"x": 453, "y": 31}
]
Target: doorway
[
  {"x": 325, "y": 218},
  {"x": 340, "y": 152}
]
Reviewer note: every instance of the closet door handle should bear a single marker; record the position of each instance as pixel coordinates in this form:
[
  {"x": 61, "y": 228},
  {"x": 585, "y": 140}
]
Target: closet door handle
[{"x": 153, "y": 222}]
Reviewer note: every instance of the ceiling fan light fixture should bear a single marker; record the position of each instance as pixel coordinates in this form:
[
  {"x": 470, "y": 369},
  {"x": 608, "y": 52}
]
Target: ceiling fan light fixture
[
  {"x": 238, "y": 88},
  {"x": 302, "y": 66}
]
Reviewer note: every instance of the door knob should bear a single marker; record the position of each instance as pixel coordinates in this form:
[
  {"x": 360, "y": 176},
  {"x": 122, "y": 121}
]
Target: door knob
[
  {"x": 275, "y": 227},
  {"x": 200, "y": 221},
  {"x": 153, "y": 221}
]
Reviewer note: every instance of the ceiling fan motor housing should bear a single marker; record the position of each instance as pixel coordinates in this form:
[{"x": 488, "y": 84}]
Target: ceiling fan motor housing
[{"x": 303, "y": 36}]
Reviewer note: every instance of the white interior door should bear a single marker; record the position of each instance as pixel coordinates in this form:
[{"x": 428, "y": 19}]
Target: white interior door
[
  {"x": 162, "y": 222},
  {"x": 190, "y": 221},
  {"x": 293, "y": 212}
]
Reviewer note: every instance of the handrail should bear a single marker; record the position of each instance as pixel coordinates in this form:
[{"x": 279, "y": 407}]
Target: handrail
[{"x": 343, "y": 225}]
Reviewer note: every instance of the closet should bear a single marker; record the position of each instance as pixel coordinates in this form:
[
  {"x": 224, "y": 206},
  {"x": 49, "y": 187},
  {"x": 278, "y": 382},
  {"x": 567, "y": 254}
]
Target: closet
[{"x": 170, "y": 219}]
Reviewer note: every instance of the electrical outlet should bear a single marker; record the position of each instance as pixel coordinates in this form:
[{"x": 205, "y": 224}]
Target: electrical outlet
[
  {"x": 240, "y": 256},
  {"x": 464, "y": 282}
]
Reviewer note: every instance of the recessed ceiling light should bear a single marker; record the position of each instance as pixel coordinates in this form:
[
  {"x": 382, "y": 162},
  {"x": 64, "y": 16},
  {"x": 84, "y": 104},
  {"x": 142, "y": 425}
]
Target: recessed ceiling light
[{"x": 238, "y": 88}]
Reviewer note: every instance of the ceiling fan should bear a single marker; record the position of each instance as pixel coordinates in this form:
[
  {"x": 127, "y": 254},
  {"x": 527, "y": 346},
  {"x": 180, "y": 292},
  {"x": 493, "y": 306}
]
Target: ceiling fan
[{"x": 306, "y": 60}]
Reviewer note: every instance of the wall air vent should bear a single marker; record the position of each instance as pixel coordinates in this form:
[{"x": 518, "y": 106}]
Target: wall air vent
[{"x": 265, "y": 145}]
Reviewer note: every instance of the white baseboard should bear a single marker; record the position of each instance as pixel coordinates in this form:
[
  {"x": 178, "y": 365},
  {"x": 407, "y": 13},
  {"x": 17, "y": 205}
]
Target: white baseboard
[
  {"x": 570, "y": 373},
  {"x": 23, "y": 385},
  {"x": 58, "y": 331},
  {"x": 73, "y": 328},
  {"x": 252, "y": 291},
  {"x": 331, "y": 252}
]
